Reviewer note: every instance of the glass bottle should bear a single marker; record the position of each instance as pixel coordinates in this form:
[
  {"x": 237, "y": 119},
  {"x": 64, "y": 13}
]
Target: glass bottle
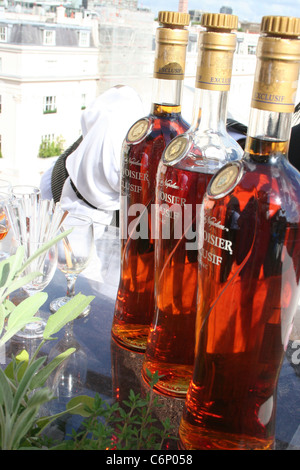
[
  {"x": 247, "y": 301},
  {"x": 141, "y": 153},
  {"x": 187, "y": 166}
]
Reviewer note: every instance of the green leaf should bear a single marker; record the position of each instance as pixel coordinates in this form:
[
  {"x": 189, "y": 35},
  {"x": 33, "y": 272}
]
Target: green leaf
[
  {"x": 65, "y": 314},
  {"x": 8, "y": 305},
  {"x": 8, "y": 269},
  {"x": 39, "y": 397},
  {"x": 27, "y": 418},
  {"x": 24, "y": 384},
  {"x": 77, "y": 405},
  {"x": 22, "y": 281},
  {"x": 6, "y": 395},
  {"x": 44, "y": 421},
  {"x": 40, "y": 378},
  {"x": 23, "y": 360},
  {"x": 23, "y": 314},
  {"x": 22, "y": 424},
  {"x": 2, "y": 317}
]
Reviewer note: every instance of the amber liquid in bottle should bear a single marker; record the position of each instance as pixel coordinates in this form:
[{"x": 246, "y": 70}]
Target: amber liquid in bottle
[
  {"x": 3, "y": 232},
  {"x": 176, "y": 266},
  {"x": 135, "y": 299},
  {"x": 189, "y": 163},
  {"x": 246, "y": 305}
]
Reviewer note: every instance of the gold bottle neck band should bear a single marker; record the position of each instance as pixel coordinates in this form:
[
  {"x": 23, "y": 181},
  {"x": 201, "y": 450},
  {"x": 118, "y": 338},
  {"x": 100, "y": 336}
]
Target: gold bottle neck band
[
  {"x": 276, "y": 74},
  {"x": 170, "y": 54},
  {"x": 215, "y": 59}
]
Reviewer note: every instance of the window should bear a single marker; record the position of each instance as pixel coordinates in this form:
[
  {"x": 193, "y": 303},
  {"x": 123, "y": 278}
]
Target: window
[
  {"x": 84, "y": 38},
  {"x": 49, "y": 104},
  {"x": 49, "y": 37},
  {"x": 3, "y": 33},
  {"x": 252, "y": 50}
]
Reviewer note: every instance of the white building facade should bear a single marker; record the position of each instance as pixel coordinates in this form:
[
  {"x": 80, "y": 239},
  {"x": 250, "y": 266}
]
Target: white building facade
[
  {"x": 48, "y": 74},
  {"x": 53, "y": 65}
]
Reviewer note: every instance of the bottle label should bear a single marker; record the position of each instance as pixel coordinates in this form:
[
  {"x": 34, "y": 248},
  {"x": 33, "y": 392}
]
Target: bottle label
[
  {"x": 138, "y": 131},
  {"x": 225, "y": 180},
  {"x": 214, "y": 70},
  {"x": 177, "y": 149},
  {"x": 170, "y": 62},
  {"x": 212, "y": 247},
  {"x": 271, "y": 93}
]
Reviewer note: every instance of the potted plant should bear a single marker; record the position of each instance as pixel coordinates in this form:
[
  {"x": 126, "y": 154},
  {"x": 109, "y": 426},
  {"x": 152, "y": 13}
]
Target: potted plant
[{"x": 23, "y": 388}]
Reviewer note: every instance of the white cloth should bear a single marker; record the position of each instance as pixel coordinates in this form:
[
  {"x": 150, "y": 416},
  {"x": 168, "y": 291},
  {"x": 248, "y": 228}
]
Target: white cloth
[
  {"x": 45, "y": 183},
  {"x": 94, "y": 167}
]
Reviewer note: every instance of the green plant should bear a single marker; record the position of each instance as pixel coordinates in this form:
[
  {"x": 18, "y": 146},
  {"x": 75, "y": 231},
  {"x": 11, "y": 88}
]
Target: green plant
[
  {"x": 22, "y": 383},
  {"x": 126, "y": 426},
  {"x": 50, "y": 111},
  {"x": 23, "y": 389},
  {"x": 51, "y": 148}
]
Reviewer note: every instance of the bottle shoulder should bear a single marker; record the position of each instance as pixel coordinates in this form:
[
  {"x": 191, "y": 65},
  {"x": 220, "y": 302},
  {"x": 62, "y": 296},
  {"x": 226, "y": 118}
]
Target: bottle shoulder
[
  {"x": 264, "y": 187},
  {"x": 151, "y": 130},
  {"x": 206, "y": 152}
]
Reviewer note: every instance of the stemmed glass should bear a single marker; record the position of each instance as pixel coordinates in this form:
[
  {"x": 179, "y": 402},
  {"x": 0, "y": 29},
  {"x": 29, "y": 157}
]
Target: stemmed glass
[
  {"x": 69, "y": 378},
  {"x": 74, "y": 252},
  {"x": 5, "y": 186},
  {"x": 24, "y": 212},
  {"x": 45, "y": 264},
  {"x": 34, "y": 222},
  {"x": 4, "y": 222},
  {"x": 5, "y": 192}
]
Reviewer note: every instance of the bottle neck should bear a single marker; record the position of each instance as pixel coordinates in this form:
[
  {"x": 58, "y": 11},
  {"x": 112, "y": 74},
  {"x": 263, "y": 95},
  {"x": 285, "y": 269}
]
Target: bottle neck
[
  {"x": 166, "y": 96},
  {"x": 210, "y": 111},
  {"x": 268, "y": 132},
  {"x": 274, "y": 90}
]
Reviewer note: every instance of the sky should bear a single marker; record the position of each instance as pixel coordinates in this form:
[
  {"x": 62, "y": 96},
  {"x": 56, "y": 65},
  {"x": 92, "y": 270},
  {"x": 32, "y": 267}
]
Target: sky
[{"x": 251, "y": 10}]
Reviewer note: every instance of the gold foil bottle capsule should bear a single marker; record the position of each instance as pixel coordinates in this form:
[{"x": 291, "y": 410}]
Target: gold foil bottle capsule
[
  {"x": 172, "y": 39},
  {"x": 216, "y": 47},
  {"x": 278, "y": 53}
]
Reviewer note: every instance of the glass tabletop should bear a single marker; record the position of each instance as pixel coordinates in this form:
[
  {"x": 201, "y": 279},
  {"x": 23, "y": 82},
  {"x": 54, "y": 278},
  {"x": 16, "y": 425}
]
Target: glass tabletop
[{"x": 100, "y": 366}]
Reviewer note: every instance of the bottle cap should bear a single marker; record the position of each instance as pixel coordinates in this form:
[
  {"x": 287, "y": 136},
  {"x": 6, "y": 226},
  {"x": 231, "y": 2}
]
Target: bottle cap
[
  {"x": 280, "y": 26},
  {"x": 219, "y": 21},
  {"x": 173, "y": 18}
]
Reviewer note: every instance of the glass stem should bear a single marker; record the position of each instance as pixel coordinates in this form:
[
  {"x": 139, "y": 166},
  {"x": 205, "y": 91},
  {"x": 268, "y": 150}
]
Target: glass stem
[{"x": 71, "y": 286}]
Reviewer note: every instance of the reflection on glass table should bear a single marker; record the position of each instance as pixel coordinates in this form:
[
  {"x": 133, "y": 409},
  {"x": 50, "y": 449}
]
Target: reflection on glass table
[
  {"x": 69, "y": 378},
  {"x": 4, "y": 225},
  {"x": 111, "y": 371}
]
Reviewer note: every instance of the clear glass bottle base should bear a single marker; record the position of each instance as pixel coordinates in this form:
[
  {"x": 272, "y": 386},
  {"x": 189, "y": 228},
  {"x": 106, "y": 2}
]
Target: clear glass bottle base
[
  {"x": 32, "y": 330},
  {"x": 61, "y": 301}
]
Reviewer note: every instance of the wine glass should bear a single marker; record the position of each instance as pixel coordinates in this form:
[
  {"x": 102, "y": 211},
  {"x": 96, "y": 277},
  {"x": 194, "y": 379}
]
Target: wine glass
[
  {"x": 74, "y": 252},
  {"x": 4, "y": 222},
  {"x": 69, "y": 377},
  {"x": 24, "y": 212},
  {"x": 5, "y": 186},
  {"x": 45, "y": 264}
]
